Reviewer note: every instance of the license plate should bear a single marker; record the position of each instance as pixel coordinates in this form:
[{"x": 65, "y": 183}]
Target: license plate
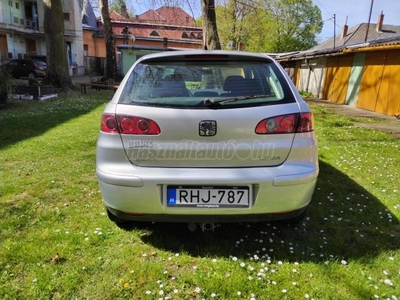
[{"x": 208, "y": 197}]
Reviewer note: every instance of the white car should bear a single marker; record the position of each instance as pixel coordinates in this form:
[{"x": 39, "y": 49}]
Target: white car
[{"x": 206, "y": 137}]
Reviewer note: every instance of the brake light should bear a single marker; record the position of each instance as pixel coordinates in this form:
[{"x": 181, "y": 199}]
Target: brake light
[
  {"x": 111, "y": 123},
  {"x": 291, "y": 123}
]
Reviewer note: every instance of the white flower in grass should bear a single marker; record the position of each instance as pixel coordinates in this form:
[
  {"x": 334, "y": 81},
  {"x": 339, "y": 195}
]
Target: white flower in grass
[
  {"x": 176, "y": 291},
  {"x": 148, "y": 292},
  {"x": 294, "y": 283},
  {"x": 343, "y": 262},
  {"x": 214, "y": 260},
  {"x": 239, "y": 293},
  {"x": 388, "y": 282},
  {"x": 213, "y": 295},
  {"x": 242, "y": 264},
  {"x": 284, "y": 291},
  {"x": 161, "y": 293},
  {"x": 307, "y": 296},
  {"x": 234, "y": 258},
  {"x": 376, "y": 296},
  {"x": 197, "y": 290},
  {"x": 385, "y": 272}
]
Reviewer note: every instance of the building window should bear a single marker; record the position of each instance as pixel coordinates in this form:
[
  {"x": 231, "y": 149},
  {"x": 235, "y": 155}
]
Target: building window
[
  {"x": 154, "y": 33},
  {"x": 66, "y": 16},
  {"x": 16, "y": 5},
  {"x": 10, "y": 3}
]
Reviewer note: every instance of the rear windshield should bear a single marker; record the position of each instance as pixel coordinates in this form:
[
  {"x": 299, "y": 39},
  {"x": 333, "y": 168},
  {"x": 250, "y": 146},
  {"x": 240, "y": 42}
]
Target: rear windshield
[{"x": 201, "y": 84}]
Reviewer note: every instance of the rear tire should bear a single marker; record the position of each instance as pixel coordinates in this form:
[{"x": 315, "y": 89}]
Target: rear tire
[{"x": 31, "y": 76}]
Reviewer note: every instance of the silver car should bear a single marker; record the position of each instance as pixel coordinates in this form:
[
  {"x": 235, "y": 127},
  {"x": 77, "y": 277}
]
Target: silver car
[{"x": 206, "y": 137}]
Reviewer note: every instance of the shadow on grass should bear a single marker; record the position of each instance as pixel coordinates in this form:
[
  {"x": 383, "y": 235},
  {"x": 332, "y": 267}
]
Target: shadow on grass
[
  {"x": 344, "y": 221},
  {"x": 24, "y": 119}
]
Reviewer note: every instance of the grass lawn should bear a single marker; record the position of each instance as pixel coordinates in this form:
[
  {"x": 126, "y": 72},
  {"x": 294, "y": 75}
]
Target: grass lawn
[{"x": 56, "y": 241}]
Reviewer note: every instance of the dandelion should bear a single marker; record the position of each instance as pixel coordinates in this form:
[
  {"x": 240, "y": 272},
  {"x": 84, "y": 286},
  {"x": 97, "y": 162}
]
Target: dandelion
[
  {"x": 126, "y": 285},
  {"x": 161, "y": 293},
  {"x": 242, "y": 264},
  {"x": 234, "y": 258}
]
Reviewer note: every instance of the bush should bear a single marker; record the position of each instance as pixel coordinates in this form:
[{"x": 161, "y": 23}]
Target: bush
[{"x": 306, "y": 94}]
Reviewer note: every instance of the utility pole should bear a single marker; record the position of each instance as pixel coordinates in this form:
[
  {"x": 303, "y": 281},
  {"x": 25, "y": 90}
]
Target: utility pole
[
  {"x": 369, "y": 21},
  {"x": 334, "y": 31}
]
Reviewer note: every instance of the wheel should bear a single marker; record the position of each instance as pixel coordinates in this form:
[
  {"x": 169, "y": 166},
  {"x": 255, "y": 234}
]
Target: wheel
[{"x": 31, "y": 75}]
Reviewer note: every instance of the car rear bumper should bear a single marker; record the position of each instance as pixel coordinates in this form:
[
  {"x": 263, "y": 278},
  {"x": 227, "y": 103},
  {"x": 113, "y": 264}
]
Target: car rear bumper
[{"x": 283, "y": 189}]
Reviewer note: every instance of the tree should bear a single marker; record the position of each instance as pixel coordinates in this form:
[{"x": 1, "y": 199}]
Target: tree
[
  {"x": 295, "y": 24},
  {"x": 270, "y": 25},
  {"x": 57, "y": 66},
  {"x": 111, "y": 63},
  {"x": 233, "y": 30},
  {"x": 116, "y": 5},
  {"x": 210, "y": 31}
]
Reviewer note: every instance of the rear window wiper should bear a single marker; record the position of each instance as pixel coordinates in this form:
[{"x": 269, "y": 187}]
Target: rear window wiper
[{"x": 210, "y": 102}]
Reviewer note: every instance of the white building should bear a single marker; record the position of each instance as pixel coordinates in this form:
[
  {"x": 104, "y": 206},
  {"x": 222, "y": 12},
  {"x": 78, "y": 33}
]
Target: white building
[{"x": 22, "y": 34}]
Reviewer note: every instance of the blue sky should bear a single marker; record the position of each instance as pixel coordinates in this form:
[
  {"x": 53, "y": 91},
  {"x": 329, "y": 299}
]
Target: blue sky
[{"x": 356, "y": 11}]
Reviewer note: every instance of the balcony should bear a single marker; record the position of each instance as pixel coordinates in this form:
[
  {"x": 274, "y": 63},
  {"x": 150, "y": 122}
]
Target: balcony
[{"x": 16, "y": 21}]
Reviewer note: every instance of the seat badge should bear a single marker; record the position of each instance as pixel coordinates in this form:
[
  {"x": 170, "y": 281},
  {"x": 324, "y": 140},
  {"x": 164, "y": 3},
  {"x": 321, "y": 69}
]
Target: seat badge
[{"x": 207, "y": 128}]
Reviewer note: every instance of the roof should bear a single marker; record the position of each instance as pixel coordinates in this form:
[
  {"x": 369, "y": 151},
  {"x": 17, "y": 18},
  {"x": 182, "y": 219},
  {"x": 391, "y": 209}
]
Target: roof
[
  {"x": 354, "y": 39},
  {"x": 166, "y": 15},
  {"x": 356, "y": 35},
  {"x": 89, "y": 19}
]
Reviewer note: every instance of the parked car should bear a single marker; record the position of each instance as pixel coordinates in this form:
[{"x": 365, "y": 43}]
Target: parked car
[
  {"x": 206, "y": 137},
  {"x": 30, "y": 68}
]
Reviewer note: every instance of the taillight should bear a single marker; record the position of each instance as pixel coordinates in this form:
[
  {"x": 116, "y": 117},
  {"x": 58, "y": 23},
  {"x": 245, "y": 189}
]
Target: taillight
[
  {"x": 291, "y": 123},
  {"x": 111, "y": 123}
]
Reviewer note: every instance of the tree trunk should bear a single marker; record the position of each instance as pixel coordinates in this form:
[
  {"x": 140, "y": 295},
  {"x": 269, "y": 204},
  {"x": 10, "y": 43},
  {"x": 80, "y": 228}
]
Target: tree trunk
[
  {"x": 57, "y": 67},
  {"x": 210, "y": 32},
  {"x": 111, "y": 63}
]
